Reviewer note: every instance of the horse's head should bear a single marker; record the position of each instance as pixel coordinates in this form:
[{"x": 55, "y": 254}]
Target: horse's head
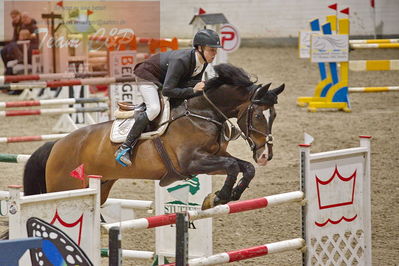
[
  {"x": 234, "y": 94},
  {"x": 256, "y": 119}
]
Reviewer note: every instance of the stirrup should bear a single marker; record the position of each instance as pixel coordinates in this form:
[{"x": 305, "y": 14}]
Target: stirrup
[{"x": 120, "y": 154}]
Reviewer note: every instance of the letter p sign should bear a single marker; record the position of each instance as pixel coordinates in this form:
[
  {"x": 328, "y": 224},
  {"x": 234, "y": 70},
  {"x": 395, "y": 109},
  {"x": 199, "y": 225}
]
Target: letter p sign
[{"x": 230, "y": 38}]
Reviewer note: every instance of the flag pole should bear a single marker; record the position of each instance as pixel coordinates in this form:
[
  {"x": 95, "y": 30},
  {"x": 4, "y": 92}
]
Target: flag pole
[
  {"x": 335, "y": 7},
  {"x": 372, "y": 4}
]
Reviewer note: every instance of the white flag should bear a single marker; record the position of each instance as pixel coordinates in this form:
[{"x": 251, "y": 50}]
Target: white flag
[{"x": 307, "y": 138}]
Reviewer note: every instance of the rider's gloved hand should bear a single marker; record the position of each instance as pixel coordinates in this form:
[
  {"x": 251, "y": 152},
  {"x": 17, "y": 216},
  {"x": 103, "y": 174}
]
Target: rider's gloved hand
[{"x": 199, "y": 86}]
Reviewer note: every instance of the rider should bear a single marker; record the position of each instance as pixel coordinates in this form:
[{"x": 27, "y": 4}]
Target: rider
[{"x": 178, "y": 73}]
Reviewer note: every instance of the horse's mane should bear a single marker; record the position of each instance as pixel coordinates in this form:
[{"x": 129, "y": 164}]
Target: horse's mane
[{"x": 230, "y": 75}]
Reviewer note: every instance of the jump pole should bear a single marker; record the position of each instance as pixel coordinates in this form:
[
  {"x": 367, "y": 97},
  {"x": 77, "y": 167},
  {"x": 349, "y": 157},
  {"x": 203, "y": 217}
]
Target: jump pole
[
  {"x": 68, "y": 101},
  {"x": 53, "y": 111},
  {"x": 50, "y": 76},
  {"x": 374, "y": 45},
  {"x": 62, "y": 83},
  {"x": 229, "y": 208},
  {"x": 247, "y": 253},
  {"x": 14, "y": 158},
  {"x": 370, "y": 41},
  {"x": 373, "y": 89},
  {"x": 373, "y": 65},
  {"x": 31, "y": 138}
]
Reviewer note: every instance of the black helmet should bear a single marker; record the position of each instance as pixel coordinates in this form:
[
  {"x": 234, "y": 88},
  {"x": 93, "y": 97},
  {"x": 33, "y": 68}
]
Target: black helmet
[{"x": 207, "y": 37}]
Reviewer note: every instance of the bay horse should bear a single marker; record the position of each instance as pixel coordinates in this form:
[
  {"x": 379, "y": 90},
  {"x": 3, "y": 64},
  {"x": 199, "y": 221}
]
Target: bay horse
[{"x": 193, "y": 142}]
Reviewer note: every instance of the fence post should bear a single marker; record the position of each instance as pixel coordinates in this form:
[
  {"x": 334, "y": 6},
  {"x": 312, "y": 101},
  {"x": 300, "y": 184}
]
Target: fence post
[
  {"x": 114, "y": 246},
  {"x": 182, "y": 239}
]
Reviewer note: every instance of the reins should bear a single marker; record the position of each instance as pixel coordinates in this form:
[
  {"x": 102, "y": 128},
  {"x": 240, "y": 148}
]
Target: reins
[
  {"x": 233, "y": 127},
  {"x": 190, "y": 113},
  {"x": 238, "y": 132}
]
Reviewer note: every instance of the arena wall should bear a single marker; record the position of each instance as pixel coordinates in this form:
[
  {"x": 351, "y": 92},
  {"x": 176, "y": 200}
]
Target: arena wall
[
  {"x": 279, "y": 19},
  {"x": 272, "y": 20}
]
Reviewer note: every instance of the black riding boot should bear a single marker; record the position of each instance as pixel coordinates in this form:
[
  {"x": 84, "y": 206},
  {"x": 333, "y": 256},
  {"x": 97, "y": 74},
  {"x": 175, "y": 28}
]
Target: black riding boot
[{"x": 123, "y": 153}]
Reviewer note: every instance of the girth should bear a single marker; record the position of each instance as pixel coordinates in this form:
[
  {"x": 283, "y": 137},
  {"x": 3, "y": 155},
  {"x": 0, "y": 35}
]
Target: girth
[{"x": 171, "y": 174}]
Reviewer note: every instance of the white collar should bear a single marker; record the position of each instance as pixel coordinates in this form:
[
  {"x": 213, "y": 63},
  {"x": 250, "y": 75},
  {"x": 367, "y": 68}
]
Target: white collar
[{"x": 198, "y": 66}]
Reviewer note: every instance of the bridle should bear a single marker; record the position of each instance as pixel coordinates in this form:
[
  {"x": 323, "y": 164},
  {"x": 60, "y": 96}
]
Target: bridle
[
  {"x": 236, "y": 132},
  {"x": 248, "y": 123}
]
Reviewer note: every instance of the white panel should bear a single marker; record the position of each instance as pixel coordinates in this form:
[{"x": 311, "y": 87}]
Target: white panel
[
  {"x": 338, "y": 207},
  {"x": 179, "y": 197}
]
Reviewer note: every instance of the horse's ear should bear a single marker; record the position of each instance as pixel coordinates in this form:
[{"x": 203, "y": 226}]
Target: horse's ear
[
  {"x": 278, "y": 90},
  {"x": 260, "y": 93},
  {"x": 269, "y": 97}
]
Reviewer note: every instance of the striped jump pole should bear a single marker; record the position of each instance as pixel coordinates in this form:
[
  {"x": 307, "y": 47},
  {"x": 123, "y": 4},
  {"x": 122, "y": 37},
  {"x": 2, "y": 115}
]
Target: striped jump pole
[
  {"x": 52, "y": 102},
  {"x": 51, "y": 76},
  {"x": 62, "y": 83},
  {"x": 31, "y": 138},
  {"x": 374, "y": 45},
  {"x": 132, "y": 254},
  {"x": 131, "y": 204},
  {"x": 14, "y": 158},
  {"x": 53, "y": 111},
  {"x": 373, "y": 89},
  {"x": 247, "y": 253},
  {"x": 374, "y": 41},
  {"x": 229, "y": 208},
  {"x": 373, "y": 65}
]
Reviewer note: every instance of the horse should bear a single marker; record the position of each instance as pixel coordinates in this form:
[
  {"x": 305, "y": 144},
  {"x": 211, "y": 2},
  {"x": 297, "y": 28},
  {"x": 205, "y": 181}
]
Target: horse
[{"x": 194, "y": 143}]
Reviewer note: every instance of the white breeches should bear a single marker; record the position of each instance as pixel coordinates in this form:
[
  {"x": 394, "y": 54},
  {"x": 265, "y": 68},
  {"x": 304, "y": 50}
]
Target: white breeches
[{"x": 151, "y": 100}]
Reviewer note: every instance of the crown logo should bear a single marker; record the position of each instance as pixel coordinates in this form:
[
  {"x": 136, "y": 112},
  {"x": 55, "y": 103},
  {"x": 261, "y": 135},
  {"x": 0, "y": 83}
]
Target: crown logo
[
  {"x": 73, "y": 229},
  {"x": 327, "y": 191}
]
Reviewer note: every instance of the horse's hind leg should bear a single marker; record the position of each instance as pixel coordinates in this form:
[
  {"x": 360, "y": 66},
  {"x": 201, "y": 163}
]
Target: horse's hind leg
[
  {"x": 248, "y": 171},
  {"x": 105, "y": 189}
]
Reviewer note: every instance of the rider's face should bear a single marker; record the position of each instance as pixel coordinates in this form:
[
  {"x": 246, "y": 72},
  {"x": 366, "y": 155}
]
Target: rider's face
[
  {"x": 15, "y": 18},
  {"x": 210, "y": 53}
]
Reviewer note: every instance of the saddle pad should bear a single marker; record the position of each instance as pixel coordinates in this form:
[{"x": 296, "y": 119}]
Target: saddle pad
[
  {"x": 120, "y": 129},
  {"x": 121, "y": 126}
]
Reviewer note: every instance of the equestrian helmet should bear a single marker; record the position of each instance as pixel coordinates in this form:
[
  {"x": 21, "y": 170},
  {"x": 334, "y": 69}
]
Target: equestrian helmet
[{"x": 207, "y": 37}]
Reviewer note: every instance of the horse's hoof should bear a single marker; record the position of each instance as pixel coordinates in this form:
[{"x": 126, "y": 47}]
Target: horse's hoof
[
  {"x": 235, "y": 196},
  {"x": 209, "y": 201}
]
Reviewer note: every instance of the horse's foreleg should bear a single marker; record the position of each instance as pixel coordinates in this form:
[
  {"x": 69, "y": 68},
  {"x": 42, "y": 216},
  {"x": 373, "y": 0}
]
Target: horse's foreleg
[
  {"x": 210, "y": 164},
  {"x": 248, "y": 171},
  {"x": 224, "y": 195}
]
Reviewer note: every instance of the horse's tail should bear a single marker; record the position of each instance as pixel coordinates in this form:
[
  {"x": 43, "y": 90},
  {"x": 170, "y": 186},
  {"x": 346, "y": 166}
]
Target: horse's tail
[{"x": 35, "y": 170}]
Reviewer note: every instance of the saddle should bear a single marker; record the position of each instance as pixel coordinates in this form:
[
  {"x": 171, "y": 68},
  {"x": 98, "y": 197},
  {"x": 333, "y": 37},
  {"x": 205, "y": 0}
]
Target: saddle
[
  {"x": 125, "y": 118},
  {"x": 124, "y": 121}
]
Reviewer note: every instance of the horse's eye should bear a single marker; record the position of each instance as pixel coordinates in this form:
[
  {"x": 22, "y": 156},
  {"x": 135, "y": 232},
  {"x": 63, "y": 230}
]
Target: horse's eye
[{"x": 258, "y": 116}]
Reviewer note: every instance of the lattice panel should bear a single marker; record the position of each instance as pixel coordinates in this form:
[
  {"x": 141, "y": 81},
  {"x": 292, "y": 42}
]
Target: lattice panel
[{"x": 338, "y": 249}]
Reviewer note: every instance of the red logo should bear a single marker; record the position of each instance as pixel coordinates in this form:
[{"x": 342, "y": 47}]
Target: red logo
[{"x": 230, "y": 38}]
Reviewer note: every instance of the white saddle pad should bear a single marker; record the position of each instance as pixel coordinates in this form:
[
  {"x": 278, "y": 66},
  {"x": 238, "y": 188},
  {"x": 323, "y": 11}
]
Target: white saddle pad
[{"x": 121, "y": 126}]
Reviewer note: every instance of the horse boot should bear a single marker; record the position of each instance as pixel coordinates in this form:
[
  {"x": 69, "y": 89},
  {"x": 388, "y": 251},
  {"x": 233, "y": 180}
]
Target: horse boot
[{"x": 124, "y": 152}]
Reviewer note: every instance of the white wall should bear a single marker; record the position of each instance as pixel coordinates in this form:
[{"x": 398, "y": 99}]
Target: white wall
[
  {"x": 279, "y": 18},
  {"x": 271, "y": 18}
]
